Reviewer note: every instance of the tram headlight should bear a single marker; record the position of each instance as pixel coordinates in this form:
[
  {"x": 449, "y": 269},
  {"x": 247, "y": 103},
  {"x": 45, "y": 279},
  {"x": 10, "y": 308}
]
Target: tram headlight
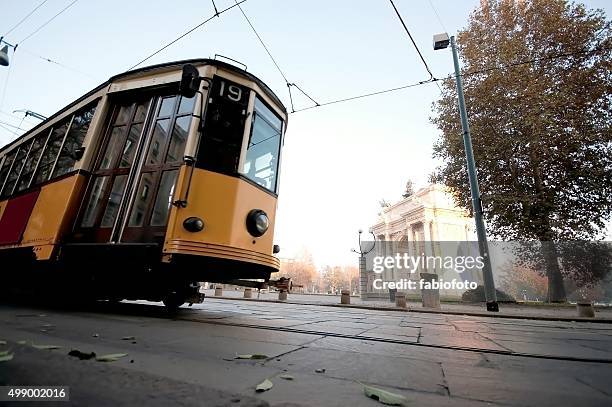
[
  {"x": 257, "y": 222},
  {"x": 193, "y": 224}
]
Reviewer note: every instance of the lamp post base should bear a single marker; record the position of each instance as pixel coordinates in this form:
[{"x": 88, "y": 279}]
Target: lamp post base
[{"x": 492, "y": 306}]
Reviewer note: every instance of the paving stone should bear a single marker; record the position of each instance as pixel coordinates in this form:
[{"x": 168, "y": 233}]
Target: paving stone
[
  {"x": 520, "y": 388},
  {"x": 376, "y": 369}
]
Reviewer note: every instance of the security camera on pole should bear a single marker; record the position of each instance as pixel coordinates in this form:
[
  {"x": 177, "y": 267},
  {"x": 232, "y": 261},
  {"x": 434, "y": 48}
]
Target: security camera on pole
[{"x": 441, "y": 41}]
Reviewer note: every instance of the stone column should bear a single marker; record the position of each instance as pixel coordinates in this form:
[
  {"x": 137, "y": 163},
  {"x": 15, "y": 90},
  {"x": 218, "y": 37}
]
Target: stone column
[{"x": 427, "y": 244}]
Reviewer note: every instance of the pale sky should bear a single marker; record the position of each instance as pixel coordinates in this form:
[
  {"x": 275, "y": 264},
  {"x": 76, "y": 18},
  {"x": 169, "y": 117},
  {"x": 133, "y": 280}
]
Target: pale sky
[{"x": 338, "y": 160}]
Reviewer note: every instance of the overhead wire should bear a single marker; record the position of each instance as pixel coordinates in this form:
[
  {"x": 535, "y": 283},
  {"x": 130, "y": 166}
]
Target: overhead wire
[
  {"x": 25, "y": 18},
  {"x": 9, "y": 130},
  {"x": 437, "y": 15},
  {"x": 46, "y": 59},
  {"x": 15, "y": 117},
  {"x": 289, "y": 84},
  {"x": 12, "y": 125},
  {"x": 463, "y": 75},
  {"x": 399, "y": 16},
  {"x": 443, "y": 28},
  {"x": 217, "y": 14},
  {"x": 47, "y": 22}
]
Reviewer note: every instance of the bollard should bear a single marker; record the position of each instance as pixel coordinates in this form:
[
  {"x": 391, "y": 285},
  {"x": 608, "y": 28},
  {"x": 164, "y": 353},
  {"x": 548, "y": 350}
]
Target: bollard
[
  {"x": 282, "y": 295},
  {"x": 345, "y": 297},
  {"x": 218, "y": 290},
  {"x": 585, "y": 309},
  {"x": 400, "y": 300},
  {"x": 430, "y": 297},
  {"x": 247, "y": 293}
]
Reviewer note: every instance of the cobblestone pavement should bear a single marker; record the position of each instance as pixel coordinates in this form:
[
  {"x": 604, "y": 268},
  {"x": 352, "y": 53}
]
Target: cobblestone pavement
[
  {"x": 431, "y": 359},
  {"x": 529, "y": 311}
]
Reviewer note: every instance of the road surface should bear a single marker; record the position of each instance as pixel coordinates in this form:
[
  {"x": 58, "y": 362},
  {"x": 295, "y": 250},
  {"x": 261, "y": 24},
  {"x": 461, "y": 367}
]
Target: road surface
[{"x": 189, "y": 359}]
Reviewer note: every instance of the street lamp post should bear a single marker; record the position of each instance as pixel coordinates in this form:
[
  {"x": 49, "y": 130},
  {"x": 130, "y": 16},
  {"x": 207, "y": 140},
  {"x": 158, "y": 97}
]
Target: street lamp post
[
  {"x": 441, "y": 41},
  {"x": 363, "y": 275}
]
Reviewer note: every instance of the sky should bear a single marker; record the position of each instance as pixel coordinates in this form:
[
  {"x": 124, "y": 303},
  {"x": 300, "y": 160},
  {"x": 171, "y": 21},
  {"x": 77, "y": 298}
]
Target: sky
[{"x": 339, "y": 160}]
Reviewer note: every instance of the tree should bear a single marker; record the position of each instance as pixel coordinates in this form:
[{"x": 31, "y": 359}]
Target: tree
[
  {"x": 538, "y": 89},
  {"x": 524, "y": 283},
  {"x": 301, "y": 270}
]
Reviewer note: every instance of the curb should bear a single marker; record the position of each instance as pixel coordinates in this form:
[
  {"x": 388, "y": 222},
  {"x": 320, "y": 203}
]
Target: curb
[{"x": 427, "y": 311}]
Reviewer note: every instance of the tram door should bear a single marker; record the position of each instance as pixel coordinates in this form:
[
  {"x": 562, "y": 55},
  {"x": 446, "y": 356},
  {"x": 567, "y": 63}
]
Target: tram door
[{"x": 131, "y": 189}]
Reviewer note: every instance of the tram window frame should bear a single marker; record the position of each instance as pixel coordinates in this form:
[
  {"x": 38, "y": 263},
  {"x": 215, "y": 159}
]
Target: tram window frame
[
  {"x": 15, "y": 171},
  {"x": 31, "y": 162},
  {"x": 264, "y": 112},
  {"x": 66, "y": 157},
  {"x": 49, "y": 157},
  {"x": 7, "y": 165}
]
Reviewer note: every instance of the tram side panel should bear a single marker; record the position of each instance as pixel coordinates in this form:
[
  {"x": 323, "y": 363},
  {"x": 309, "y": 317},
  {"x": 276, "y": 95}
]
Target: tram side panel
[{"x": 51, "y": 216}]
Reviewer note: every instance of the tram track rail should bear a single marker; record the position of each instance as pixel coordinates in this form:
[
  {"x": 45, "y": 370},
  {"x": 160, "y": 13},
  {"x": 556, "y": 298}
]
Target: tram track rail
[{"x": 394, "y": 341}]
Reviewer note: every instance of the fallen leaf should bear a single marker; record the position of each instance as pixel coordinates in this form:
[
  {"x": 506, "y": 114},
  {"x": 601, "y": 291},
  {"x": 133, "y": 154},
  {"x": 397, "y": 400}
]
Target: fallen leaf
[
  {"x": 384, "y": 397},
  {"x": 286, "y": 377},
  {"x": 111, "y": 357},
  {"x": 46, "y": 347},
  {"x": 6, "y": 358},
  {"x": 21, "y": 342},
  {"x": 81, "y": 355},
  {"x": 128, "y": 338},
  {"x": 255, "y": 356},
  {"x": 319, "y": 370},
  {"x": 264, "y": 386}
]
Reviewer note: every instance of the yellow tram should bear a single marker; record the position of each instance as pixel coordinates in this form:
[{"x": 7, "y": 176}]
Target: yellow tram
[{"x": 155, "y": 180}]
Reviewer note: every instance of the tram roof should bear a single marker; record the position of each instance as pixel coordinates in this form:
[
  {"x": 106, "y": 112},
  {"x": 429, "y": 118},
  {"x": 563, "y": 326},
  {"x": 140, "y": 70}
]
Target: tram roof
[{"x": 158, "y": 67}]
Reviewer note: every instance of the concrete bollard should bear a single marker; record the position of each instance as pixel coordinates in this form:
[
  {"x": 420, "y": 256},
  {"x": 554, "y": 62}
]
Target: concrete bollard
[
  {"x": 218, "y": 291},
  {"x": 400, "y": 300},
  {"x": 345, "y": 297},
  {"x": 585, "y": 309},
  {"x": 248, "y": 293},
  {"x": 430, "y": 297},
  {"x": 282, "y": 295}
]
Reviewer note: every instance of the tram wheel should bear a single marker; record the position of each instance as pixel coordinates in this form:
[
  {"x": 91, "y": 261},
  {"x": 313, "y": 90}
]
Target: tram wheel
[{"x": 173, "y": 301}]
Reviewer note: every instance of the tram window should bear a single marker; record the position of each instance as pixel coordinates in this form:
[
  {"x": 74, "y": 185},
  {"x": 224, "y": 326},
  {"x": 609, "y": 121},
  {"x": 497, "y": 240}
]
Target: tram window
[
  {"x": 160, "y": 135},
  {"x": 113, "y": 146},
  {"x": 50, "y": 154},
  {"x": 261, "y": 163},
  {"x": 74, "y": 141},
  {"x": 95, "y": 201},
  {"x": 164, "y": 198},
  {"x": 129, "y": 150},
  {"x": 112, "y": 207},
  {"x": 143, "y": 197},
  {"x": 141, "y": 113},
  {"x": 6, "y": 167},
  {"x": 16, "y": 169},
  {"x": 124, "y": 115},
  {"x": 223, "y": 126},
  {"x": 167, "y": 107},
  {"x": 179, "y": 139},
  {"x": 31, "y": 161},
  {"x": 186, "y": 105}
]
